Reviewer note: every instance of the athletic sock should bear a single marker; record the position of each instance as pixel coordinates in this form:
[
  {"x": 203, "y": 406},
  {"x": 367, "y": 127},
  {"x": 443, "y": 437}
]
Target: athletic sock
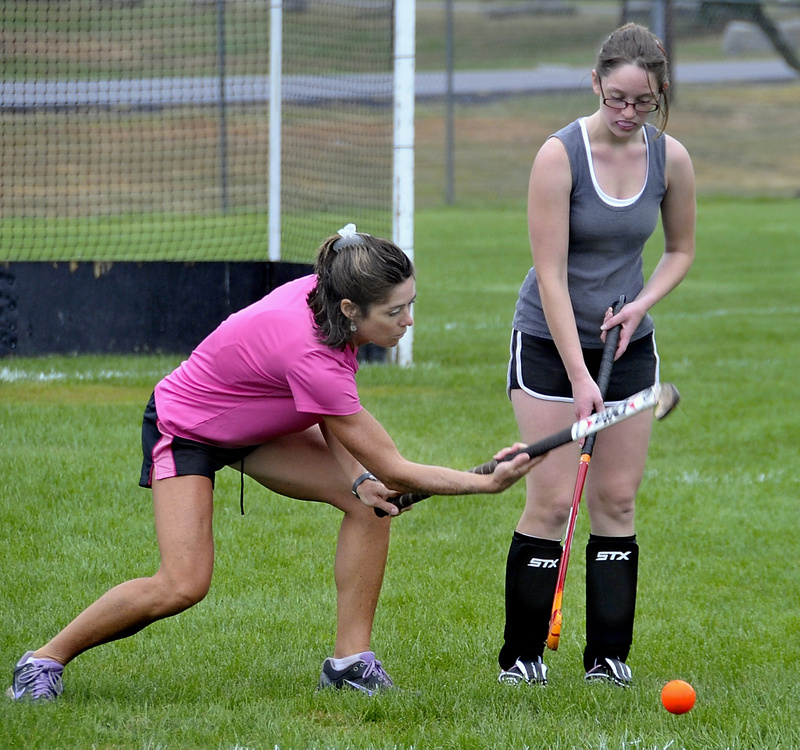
[
  {"x": 612, "y": 566},
  {"x": 531, "y": 575},
  {"x": 346, "y": 661}
]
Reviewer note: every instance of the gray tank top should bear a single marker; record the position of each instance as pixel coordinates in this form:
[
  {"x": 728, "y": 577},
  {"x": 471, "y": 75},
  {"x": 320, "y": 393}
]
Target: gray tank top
[{"x": 606, "y": 240}]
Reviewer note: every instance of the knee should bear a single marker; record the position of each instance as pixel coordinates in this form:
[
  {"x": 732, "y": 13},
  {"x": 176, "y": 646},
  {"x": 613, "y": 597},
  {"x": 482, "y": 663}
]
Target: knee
[
  {"x": 561, "y": 512},
  {"x": 619, "y": 505},
  {"x": 544, "y": 512},
  {"x": 369, "y": 522},
  {"x": 192, "y": 592},
  {"x": 361, "y": 526},
  {"x": 182, "y": 592}
]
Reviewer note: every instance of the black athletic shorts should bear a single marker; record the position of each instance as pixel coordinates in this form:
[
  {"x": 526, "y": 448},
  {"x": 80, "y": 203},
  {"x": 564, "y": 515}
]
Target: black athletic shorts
[
  {"x": 536, "y": 367},
  {"x": 177, "y": 457}
]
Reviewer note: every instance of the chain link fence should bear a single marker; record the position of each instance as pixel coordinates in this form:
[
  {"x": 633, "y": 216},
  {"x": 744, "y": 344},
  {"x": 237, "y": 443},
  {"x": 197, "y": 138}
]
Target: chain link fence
[
  {"x": 496, "y": 77},
  {"x": 112, "y": 129}
]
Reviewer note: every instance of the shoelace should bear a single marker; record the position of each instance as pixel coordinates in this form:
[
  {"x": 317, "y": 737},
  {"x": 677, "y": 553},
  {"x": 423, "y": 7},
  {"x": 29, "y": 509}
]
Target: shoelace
[
  {"x": 376, "y": 668},
  {"x": 44, "y": 679}
]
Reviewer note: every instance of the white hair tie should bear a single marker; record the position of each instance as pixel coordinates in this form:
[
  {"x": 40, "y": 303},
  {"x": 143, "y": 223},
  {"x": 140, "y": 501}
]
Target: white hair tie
[{"x": 348, "y": 237}]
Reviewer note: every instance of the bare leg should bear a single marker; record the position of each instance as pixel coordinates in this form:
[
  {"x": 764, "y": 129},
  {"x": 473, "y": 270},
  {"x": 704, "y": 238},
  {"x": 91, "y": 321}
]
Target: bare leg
[
  {"x": 183, "y": 512},
  {"x": 301, "y": 466},
  {"x": 360, "y": 561},
  {"x": 616, "y": 471},
  {"x": 549, "y": 484},
  {"x": 612, "y": 483},
  {"x": 617, "y": 468}
]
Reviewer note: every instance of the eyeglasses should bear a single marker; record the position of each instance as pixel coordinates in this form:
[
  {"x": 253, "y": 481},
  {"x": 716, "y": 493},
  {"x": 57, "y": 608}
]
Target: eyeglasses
[{"x": 614, "y": 103}]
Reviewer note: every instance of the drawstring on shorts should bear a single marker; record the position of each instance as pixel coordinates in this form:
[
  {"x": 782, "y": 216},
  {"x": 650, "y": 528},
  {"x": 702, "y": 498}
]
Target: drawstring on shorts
[{"x": 241, "y": 487}]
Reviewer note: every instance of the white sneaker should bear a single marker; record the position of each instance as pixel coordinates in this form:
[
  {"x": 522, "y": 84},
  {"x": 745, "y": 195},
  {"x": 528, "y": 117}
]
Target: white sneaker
[{"x": 529, "y": 671}]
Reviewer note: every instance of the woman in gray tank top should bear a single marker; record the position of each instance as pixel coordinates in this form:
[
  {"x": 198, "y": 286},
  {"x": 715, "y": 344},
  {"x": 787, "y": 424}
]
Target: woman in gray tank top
[{"x": 597, "y": 190}]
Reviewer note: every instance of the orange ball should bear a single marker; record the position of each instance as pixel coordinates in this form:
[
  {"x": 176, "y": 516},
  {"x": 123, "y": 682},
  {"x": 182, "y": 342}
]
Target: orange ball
[{"x": 678, "y": 697}]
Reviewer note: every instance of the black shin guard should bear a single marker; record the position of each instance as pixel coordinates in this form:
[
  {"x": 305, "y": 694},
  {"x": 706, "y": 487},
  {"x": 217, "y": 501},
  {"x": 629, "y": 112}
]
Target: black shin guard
[
  {"x": 531, "y": 574},
  {"x": 612, "y": 565}
]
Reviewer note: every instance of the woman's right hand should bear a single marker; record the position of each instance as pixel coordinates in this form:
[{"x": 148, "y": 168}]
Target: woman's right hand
[
  {"x": 587, "y": 398},
  {"x": 508, "y": 472}
]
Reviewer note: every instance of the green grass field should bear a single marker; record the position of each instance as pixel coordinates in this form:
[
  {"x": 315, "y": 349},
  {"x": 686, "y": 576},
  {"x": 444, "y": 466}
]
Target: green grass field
[{"x": 717, "y": 520}]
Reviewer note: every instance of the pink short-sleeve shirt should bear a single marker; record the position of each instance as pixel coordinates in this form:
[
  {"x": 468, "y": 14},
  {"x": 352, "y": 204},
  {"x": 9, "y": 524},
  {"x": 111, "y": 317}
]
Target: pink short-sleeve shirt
[{"x": 261, "y": 374}]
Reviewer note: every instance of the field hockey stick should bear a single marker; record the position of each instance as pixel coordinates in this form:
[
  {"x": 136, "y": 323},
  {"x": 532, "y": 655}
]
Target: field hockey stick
[
  {"x": 661, "y": 397},
  {"x": 603, "y": 377}
]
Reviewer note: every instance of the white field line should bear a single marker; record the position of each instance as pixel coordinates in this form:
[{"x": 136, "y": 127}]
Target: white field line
[
  {"x": 18, "y": 375},
  {"x": 697, "y": 477},
  {"x": 504, "y": 323}
]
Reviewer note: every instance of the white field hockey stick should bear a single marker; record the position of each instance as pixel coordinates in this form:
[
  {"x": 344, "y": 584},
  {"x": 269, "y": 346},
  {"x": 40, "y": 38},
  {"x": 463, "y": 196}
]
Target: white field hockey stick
[{"x": 661, "y": 397}]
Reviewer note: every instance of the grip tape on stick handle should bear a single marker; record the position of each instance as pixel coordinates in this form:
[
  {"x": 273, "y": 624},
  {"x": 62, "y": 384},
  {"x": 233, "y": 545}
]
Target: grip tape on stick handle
[
  {"x": 556, "y": 440},
  {"x": 606, "y": 363}
]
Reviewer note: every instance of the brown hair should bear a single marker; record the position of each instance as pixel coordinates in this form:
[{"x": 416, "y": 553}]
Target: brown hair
[
  {"x": 633, "y": 44},
  {"x": 365, "y": 272}
]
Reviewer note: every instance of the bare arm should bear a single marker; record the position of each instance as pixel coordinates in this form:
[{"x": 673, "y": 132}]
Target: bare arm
[
  {"x": 548, "y": 226},
  {"x": 373, "y": 493},
  {"x": 678, "y": 214},
  {"x": 370, "y": 446}
]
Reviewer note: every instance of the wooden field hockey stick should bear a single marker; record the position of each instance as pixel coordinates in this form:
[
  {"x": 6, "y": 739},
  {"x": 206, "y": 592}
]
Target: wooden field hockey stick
[{"x": 603, "y": 377}]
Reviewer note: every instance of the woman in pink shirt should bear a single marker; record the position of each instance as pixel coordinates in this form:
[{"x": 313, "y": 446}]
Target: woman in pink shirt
[{"x": 272, "y": 393}]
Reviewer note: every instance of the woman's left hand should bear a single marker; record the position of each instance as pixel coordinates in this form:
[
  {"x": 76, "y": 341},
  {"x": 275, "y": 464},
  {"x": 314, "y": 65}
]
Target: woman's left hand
[
  {"x": 628, "y": 319},
  {"x": 374, "y": 494}
]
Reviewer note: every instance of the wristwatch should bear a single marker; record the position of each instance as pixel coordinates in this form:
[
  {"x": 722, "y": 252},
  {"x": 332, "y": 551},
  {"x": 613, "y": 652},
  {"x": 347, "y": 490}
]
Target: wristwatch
[{"x": 363, "y": 478}]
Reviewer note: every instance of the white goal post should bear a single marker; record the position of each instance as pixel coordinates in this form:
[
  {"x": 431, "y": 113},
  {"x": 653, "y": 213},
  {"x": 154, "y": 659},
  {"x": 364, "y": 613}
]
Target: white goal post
[
  {"x": 403, "y": 193},
  {"x": 403, "y": 94}
]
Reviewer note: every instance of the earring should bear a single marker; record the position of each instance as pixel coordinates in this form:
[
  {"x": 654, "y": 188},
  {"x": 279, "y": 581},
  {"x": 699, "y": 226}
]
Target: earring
[{"x": 353, "y": 326}]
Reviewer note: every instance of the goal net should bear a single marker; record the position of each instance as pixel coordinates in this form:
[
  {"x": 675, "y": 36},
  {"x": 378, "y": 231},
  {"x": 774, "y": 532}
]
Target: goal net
[{"x": 140, "y": 130}]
